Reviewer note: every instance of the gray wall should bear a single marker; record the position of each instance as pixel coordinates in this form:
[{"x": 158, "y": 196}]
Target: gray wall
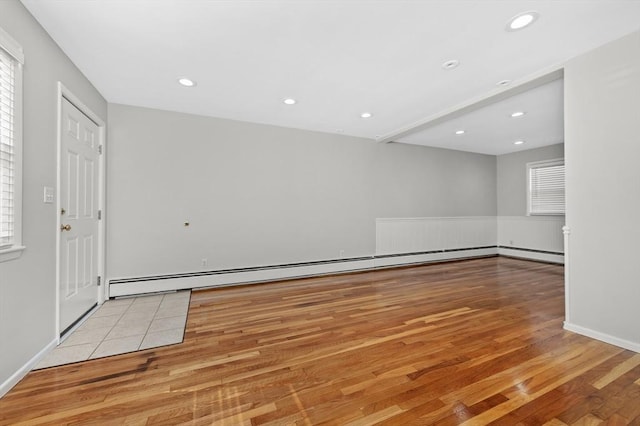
[
  {"x": 512, "y": 177},
  {"x": 27, "y": 284},
  {"x": 259, "y": 195},
  {"x": 602, "y": 110}
]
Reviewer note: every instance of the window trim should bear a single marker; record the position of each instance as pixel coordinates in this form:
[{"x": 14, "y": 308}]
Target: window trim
[
  {"x": 537, "y": 165},
  {"x": 9, "y": 45}
]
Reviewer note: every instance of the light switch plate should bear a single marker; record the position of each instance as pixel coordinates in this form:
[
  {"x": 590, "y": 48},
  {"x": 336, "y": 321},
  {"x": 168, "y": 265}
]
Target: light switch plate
[{"x": 48, "y": 195}]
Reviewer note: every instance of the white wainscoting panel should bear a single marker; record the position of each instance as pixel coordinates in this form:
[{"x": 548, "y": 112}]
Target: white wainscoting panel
[
  {"x": 421, "y": 234},
  {"x": 532, "y": 232}
]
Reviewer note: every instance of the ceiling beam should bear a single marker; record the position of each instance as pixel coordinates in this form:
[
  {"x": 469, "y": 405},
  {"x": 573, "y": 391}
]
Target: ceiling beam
[{"x": 515, "y": 88}]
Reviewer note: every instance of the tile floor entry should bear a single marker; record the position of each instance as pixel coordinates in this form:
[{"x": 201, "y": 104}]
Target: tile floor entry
[{"x": 124, "y": 325}]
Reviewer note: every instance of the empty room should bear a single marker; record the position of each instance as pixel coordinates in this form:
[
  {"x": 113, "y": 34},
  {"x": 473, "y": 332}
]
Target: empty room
[{"x": 312, "y": 212}]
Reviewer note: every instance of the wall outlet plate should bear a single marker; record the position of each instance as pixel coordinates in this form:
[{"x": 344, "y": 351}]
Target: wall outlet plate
[{"x": 49, "y": 195}]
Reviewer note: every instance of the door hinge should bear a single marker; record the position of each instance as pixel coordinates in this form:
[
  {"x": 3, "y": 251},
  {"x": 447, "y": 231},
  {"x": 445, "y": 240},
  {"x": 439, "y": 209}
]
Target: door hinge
[
  {"x": 99, "y": 281},
  {"x": 99, "y": 149},
  {"x": 99, "y": 214}
]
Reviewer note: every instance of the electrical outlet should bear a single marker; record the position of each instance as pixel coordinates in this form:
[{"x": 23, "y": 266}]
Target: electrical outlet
[
  {"x": 204, "y": 262},
  {"x": 341, "y": 254},
  {"x": 511, "y": 242}
]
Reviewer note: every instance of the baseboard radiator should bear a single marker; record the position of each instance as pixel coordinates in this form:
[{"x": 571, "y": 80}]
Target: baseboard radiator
[
  {"x": 226, "y": 277},
  {"x": 399, "y": 241},
  {"x": 532, "y": 254}
]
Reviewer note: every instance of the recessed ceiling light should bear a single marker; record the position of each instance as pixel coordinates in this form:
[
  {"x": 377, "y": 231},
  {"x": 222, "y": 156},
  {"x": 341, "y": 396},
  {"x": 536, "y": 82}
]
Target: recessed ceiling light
[
  {"x": 290, "y": 101},
  {"x": 366, "y": 115},
  {"x": 186, "y": 82},
  {"x": 518, "y": 142},
  {"x": 522, "y": 20},
  {"x": 518, "y": 114},
  {"x": 459, "y": 132},
  {"x": 503, "y": 83},
  {"x": 451, "y": 64}
]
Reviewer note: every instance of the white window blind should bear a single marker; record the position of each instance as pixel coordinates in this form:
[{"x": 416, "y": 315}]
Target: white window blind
[
  {"x": 7, "y": 149},
  {"x": 546, "y": 187}
]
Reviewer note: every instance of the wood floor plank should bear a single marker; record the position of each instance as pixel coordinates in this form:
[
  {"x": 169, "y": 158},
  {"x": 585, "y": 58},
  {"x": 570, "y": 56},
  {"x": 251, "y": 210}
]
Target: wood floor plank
[
  {"x": 618, "y": 371},
  {"x": 555, "y": 422},
  {"x": 471, "y": 342}
]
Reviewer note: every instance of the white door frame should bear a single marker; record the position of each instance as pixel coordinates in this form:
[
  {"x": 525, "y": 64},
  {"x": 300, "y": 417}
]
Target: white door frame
[{"x": 63, "y": 92}]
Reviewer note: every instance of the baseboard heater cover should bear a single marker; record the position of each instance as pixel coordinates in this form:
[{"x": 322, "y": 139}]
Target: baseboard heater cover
[
  {"x": 532, "y": 254},
  {"x": 225, "y": 277}
]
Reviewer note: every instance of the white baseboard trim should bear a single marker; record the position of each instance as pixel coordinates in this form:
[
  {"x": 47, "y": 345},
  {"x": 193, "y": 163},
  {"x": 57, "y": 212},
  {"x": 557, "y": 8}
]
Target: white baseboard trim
[
  {"x": 531, "y": 255},
  {"x": 124, "y": 287},
  {"x": 604, "y": 337},
  {"x": 25, "y": 369}
]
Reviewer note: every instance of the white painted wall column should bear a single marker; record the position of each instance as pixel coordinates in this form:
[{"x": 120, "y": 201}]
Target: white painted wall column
[{"x": 566, "y": 232}]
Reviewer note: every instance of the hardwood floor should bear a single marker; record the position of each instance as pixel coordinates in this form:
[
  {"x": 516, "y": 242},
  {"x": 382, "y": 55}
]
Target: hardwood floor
[{"x": 472, "y": 342}]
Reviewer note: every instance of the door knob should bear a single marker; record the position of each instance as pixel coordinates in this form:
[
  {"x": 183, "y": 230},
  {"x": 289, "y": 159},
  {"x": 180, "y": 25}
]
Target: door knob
[{"x": 65, "y": 227}]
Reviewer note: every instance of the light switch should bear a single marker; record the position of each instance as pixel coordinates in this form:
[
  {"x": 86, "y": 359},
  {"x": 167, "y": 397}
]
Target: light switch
[{"x": 48, "y": 195}]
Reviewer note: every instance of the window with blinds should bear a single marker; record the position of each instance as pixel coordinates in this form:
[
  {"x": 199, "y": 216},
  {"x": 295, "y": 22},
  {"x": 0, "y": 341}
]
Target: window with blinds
[
  {"x": 546, "y": 187},
  {"x": 7, "y": 149},
  {"x": 11, "y": 64}
]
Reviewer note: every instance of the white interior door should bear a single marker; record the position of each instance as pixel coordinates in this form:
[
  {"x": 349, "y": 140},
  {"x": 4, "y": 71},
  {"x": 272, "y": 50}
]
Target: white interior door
[{"x": 79, "y": 180}]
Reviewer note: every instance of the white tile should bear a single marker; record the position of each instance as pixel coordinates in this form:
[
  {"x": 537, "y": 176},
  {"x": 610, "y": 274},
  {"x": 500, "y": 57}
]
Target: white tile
[
  {"x": 137, "y": 317},
  {"x": 160, "y": 324},
  {"x": 120, "y": 302},
  {"x": 171, "y": 312},
  {"x": 162, "y": 338},
  {"x": 107, "y": 310},
  {"x": 126, "y": 330},
  {"x": 81, "y": 337},
  {"x": 180, "y": 295},
  {"x": 99, "y": 322},
  {"x": 174, "y": 303},
  {"x": 119, "y": 326},
  {"x": 143, "y": 307},
  {"x": 67, "y": 355},
  {"x": 117, "y": 346},
  {"x": 143, "y": 300}
]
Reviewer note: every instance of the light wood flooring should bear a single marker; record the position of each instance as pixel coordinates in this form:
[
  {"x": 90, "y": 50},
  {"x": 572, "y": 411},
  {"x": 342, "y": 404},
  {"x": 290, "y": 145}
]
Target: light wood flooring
[{"x": 473, "y": 342}]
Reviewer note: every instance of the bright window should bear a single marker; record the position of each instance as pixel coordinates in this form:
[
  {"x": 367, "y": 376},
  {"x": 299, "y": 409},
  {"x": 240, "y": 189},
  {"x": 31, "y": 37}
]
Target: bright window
[
  {"x": 11, "y": 61},
  {"x": 545, "y": 187}
]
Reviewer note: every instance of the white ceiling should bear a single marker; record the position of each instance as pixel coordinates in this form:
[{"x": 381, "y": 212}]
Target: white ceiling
[
  {"x": 337, "y": 58},
  {"x": 492, "y": 130}
]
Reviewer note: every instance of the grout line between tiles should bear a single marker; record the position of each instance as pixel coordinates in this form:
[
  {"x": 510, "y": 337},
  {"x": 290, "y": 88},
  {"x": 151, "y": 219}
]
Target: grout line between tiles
[
  {"x": 110, "y": 330},
  {"x": 122, "y": 315},
  {"x": 151, "y": 322}
]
